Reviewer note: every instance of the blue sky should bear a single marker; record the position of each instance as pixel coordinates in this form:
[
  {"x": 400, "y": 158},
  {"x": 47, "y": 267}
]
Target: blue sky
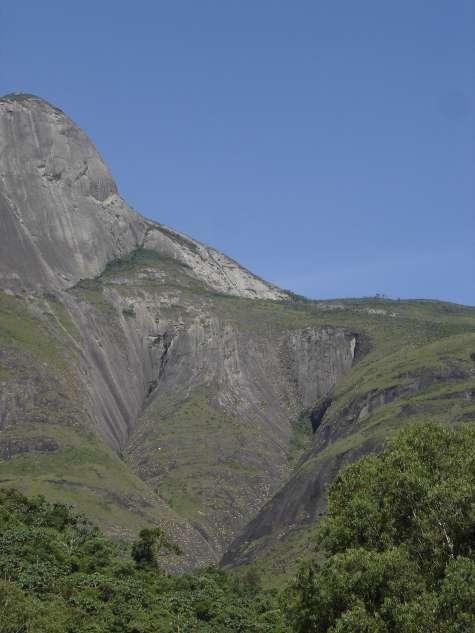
[{"x": 326, "y": 145}]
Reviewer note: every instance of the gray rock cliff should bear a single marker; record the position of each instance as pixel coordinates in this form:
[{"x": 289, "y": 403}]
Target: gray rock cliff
[
  {"x": 62, "y": 218},
  {"x": 154, "y": 347}
]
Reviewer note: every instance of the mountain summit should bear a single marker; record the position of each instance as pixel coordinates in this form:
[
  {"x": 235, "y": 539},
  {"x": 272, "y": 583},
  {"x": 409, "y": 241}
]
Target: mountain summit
[
  {"x": 63, "y": 219},
  {"x": 148, "y": 379}
]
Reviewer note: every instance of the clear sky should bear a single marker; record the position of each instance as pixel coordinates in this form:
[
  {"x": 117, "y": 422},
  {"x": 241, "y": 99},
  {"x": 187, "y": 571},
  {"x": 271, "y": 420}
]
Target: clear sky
[{"x": 328, "y": 145}]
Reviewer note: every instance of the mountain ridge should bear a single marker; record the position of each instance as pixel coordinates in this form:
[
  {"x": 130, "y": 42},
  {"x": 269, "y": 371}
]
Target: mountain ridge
[
  {"x": 65, "y": 170},
  {"x": 150, "y": 380}
]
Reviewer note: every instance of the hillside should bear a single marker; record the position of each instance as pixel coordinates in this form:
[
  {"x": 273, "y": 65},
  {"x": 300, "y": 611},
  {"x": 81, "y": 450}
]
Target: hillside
[
  {"x": 419, "y": 365},
  {"x": 378, "y": 567},
  {"x": 147, "y": 379}
]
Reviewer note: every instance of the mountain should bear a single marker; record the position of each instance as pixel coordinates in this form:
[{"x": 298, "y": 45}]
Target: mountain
[{"x": 147, "y": 379}]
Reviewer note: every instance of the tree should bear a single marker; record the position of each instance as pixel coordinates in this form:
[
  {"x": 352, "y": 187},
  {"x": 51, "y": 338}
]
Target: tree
[
  {"x": 397, "y": 535},
  {"x": 60, "y": 574},
  {"x": 151, "y": 542}
]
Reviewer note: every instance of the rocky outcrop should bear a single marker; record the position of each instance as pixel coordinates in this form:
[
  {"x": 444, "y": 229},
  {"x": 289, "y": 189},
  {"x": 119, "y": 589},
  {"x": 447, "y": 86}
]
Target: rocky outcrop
[
  {"x": 198, "y": 405},
  {"x": 231, "y": 390},
  {"x": 318, "y": 357},
  {"x": 301, "y": 501},
  {"x": 60, "y": 213},
  {"x": 10, "y": 448},
  {"x": 62, "y": 219},
  {"x": 209, "y": 265}
]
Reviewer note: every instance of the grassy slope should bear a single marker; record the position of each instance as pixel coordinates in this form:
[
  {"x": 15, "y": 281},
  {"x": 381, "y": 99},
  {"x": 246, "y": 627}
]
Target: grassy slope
[
  {"x": 37, "y": 363},
  {"x": 38, "y": 333}
]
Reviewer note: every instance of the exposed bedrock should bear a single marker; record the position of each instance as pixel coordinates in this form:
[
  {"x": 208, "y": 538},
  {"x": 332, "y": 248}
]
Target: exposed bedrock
[
  {"x": 317, "y": 358},
  {"x": 203, "y": 410},
  {"x": 151, "y": 380},
  {"x": 61, "y": 217},
  {"x": 62, "y": 220},
  {"x": 233, "y": 392},
  {"x": 301, "y": 501}
]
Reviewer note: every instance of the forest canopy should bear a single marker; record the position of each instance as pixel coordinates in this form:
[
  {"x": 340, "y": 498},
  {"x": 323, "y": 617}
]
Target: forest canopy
[{"x": 395, "y": 550}]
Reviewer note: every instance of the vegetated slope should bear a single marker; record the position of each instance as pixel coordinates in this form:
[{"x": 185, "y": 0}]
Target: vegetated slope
[
  {"x": 420, "y": 366},
  {"x": 150, "y": 380},
  {"x": 207, "y": 426}
]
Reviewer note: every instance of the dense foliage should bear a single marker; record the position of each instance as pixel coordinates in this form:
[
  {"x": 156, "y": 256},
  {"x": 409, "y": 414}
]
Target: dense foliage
[
  {"x": 396, "y": 547},
  {"x": 58, "y": 574},
  {"x": 395, "y": 554}
]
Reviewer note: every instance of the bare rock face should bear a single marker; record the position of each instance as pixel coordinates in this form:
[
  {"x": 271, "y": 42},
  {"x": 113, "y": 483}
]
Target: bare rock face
[
  {"x": 218, "y": 271},
  {"x": 61, "y": 217},
  {"x": 318, "y": 358},
  {"x": 62, "y": 220}
]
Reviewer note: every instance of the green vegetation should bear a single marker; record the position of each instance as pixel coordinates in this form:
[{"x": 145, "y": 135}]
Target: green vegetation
[
  {"x": 151, "y": 542},
  {"x": 429, "y": 380},
  {"x": 142, "y": 268},
  {"x": 389, "y": 325},
  {"x": 40, "y": 358},
  {"x": 199, "y": 485},
  {"x": 22, "y": 328},
  {"x": 395, "y": 554},
  {"x": 61, "y": 575},
  {"x": 83, "y": 472},
  {"x": 301, "y": 438},
  {"x": 138, "y": 259},
  {"x": 395, "y": 550},
  {"x": 92, "y": 292}
]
